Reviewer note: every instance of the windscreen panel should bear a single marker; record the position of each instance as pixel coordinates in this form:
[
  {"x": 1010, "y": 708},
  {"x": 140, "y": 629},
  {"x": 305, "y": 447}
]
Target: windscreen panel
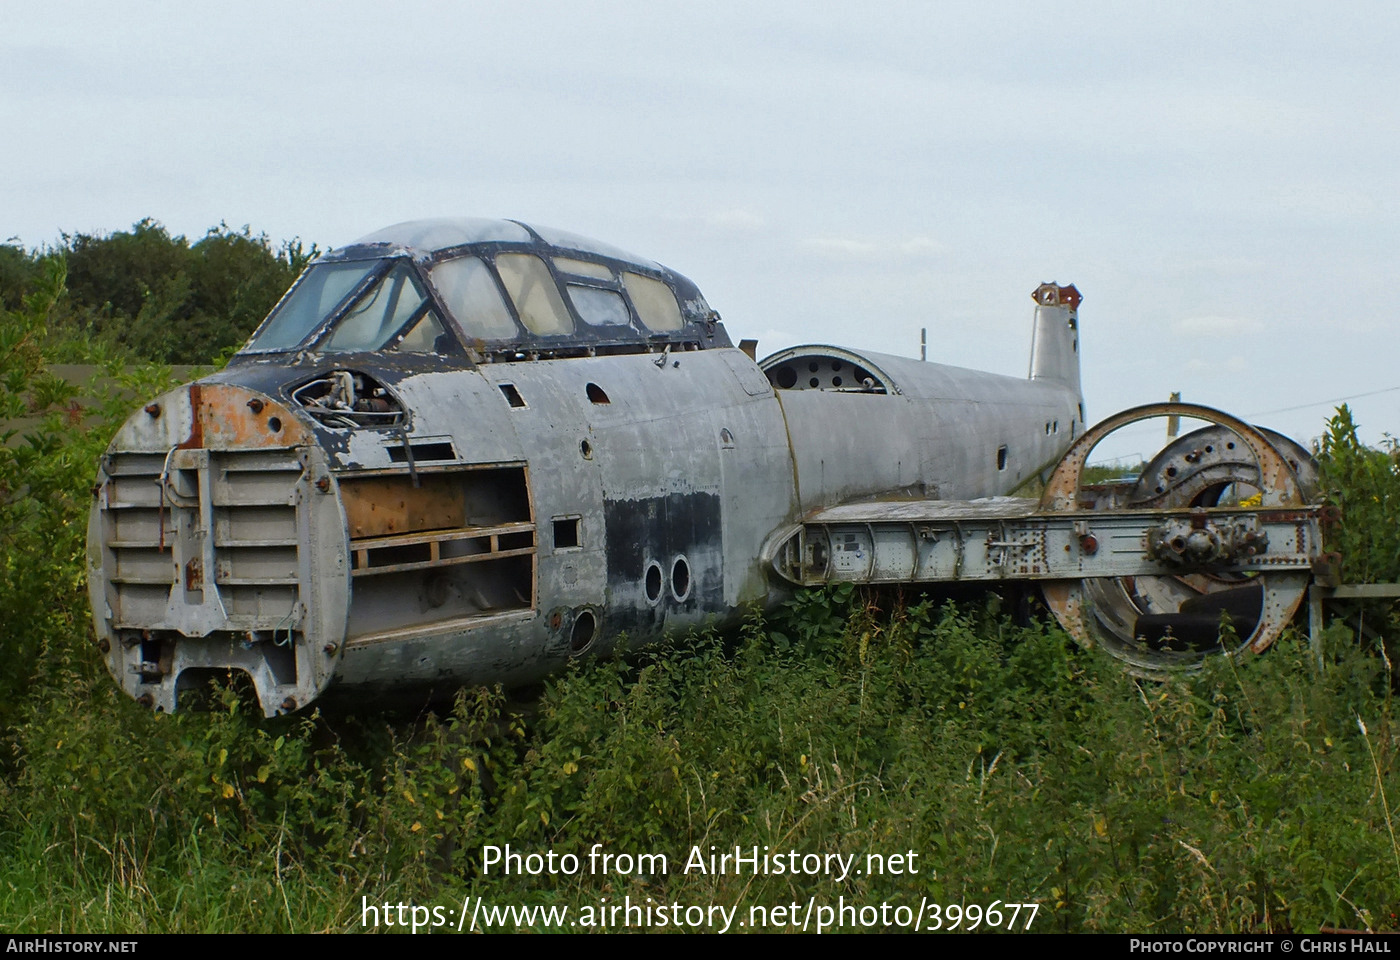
[
  {"x": 380, "y": 313},
  {"x": 317, "y": 295}
]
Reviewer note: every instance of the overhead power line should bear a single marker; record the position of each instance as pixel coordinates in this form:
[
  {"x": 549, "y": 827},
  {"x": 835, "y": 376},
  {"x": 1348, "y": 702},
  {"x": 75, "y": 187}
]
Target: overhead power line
[{"x": 1320, "y": 403}]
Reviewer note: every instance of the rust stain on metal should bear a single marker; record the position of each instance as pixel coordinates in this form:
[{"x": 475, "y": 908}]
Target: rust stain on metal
[
  {"x": 194, "y": 574},
  {"x": 1053, "y": 295},
  {"x": 220, "y": 420},
  {"x": 196, "y": 438},
  {"x": 1064, "y": 601}
]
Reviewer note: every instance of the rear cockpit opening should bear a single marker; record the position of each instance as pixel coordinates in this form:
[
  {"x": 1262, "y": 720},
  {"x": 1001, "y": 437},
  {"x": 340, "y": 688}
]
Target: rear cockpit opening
[
  {"x": 823, "y": 368},
  {"x": 348, "y": 399}
]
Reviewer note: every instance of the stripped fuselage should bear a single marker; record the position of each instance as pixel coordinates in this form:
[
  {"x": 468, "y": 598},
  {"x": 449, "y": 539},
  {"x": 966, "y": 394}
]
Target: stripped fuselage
[{"x": 492, "y": 448}]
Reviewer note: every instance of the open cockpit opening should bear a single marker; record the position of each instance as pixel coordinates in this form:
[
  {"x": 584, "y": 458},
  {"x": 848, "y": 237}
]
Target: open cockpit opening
[
  {"x": 349, "y": 399},
  {"x": 823, "y": 368}
]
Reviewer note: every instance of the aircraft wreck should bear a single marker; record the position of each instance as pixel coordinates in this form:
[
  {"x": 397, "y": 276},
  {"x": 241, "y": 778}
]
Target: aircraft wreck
[{"x": 467, "y": 451}]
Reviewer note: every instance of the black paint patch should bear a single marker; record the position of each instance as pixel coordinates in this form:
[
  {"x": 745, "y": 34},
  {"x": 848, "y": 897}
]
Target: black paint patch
[{"x": 661, "y": 529}]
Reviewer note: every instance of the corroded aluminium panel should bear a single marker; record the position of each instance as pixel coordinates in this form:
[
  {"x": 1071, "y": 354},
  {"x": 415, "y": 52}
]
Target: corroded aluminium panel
[
  {"x": 658, "y": 463},
  {"x": 678, "y": 535},
  {"x": 459, "y": 404},
  {"x": 216, "y": 593},
  {"x": 551, "y": 427},
  {"x": 950, "y": 434},
  {"x": 927, "y": 511},
  {"x": 230, "y": 416},
  {"x": 504, "y": 647},
  {"x": 758, "y": 480},
  {"x": 214, "y": 415}
]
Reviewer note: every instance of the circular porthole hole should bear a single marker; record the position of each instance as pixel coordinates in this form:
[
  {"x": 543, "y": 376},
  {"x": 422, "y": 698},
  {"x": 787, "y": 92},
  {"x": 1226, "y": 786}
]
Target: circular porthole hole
[
  {"x": 786, "y": 378},
  {"x": 586, "y": 449},
  {"x": 585, "y": 628},
  {"x": 680, "y": 578},
  {"x": 653, "y": 581},
  {"x": 274, "y": 424}
]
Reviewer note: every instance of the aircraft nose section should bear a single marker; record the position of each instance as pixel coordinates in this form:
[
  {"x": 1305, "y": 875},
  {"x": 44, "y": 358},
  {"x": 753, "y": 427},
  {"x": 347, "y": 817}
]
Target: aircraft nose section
[
  {"x": 217, "y": 542},
  {"x": 212, "y": 416}
]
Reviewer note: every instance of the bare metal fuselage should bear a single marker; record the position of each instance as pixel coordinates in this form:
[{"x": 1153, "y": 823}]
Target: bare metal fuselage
[{"x": 517, "y": 513}]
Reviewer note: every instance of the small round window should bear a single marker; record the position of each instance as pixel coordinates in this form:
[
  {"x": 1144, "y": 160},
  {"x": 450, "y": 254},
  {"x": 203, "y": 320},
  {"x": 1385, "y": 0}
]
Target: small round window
[
  {"x": 680, "y": 578},
  {"x": 653, "y": 581}
]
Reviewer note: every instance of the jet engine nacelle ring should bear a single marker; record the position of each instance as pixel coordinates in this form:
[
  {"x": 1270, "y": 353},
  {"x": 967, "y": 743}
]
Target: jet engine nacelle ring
[
  {"x": 1111, "y": 612},
  {"x": 1276, "y": 481}
]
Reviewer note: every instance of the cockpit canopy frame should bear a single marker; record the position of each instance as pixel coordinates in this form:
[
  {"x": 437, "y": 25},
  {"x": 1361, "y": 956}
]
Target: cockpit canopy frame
[{"x": 486, "y": 291}]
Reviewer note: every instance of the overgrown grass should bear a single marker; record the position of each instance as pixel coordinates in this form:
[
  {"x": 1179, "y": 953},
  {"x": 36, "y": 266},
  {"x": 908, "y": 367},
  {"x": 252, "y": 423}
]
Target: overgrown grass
[{"x": 1017, "y": 767}]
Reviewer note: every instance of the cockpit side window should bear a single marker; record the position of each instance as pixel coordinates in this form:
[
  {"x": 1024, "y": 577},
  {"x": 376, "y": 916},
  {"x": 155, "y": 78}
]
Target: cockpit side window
[
  {"x": 470, "y": 293},
  {"x": 655, "y": 302},
  {"x": 599, "y": 307},
  {"x": 318, "y": 294},
  {"x": 537, "y": 301},
  {"x": 594, "y": 291}
]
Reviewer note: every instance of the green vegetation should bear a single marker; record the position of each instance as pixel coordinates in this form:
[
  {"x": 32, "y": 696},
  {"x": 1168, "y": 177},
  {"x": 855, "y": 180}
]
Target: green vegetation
[
  {"x": 1258, "y": 795},
  {"x": 145, "y": 294}
]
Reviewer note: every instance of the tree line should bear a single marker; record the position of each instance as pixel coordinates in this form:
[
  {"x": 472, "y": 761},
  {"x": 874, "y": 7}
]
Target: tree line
[{"x": 146, "y": 295}]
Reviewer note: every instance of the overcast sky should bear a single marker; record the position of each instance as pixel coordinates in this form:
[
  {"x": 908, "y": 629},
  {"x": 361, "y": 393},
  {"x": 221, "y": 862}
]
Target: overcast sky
[{"x": 1220, "y": 181}]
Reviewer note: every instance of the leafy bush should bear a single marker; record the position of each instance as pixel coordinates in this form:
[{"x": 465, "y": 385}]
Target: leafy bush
[
  {"x": 1365, "y": 483},
  {"x": 145, "y": 294}
]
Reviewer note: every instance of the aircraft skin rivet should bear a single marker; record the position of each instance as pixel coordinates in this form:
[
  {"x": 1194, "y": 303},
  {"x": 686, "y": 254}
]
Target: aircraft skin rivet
[
  {"x": 330, "y": 649},
  {"x": 255, "y": 405},
  {"x": 153, "y": 409}
]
